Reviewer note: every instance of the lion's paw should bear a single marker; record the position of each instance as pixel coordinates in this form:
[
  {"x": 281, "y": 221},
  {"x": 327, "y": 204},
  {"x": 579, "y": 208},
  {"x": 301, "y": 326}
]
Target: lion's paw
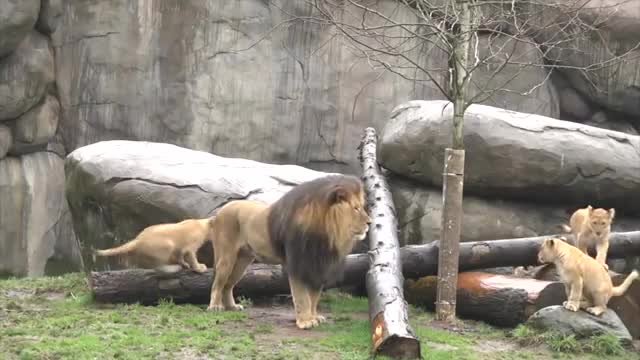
[
  {"x": 235, "y": 307},
  {"x": 570, "y": 306},
  {"x": 215, "y": 307},
  {"x": 200, "y": 268},
  {"x": 306, "y": 324},
  {"x": 320, "y": 319},
  {"x": 594, "y": 310}
]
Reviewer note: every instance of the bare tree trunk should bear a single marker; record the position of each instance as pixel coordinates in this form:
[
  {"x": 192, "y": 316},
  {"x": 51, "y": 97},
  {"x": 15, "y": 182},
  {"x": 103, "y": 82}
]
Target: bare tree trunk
[
  {"x": 453, "y": 175},
  {"x": 262, "y": 280},
  {"x": 390, "y": 330},
  {"x": 495, "y": 299}
]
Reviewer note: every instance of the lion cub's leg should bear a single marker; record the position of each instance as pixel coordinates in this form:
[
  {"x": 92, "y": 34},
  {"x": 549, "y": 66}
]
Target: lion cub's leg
[
  {"x": 602, "y": 247},
  {"x": 190, "y": 258},
  {"x": 575, "y": 295},
  {"x": 302, "y": 304},
  {"x": 314, "y": 296},
  {"x": 242, "y": 262},
  {"x": 223, "y": 268}
]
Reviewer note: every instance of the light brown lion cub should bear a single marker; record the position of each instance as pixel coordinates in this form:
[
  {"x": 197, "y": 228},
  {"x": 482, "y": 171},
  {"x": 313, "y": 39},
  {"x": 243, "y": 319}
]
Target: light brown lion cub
[
  {"x": 162, "y": 245},
  {"x": 310, "y": 230},
  {"x": 586, "y": 282},
  {"x": 592, "y": 227}
]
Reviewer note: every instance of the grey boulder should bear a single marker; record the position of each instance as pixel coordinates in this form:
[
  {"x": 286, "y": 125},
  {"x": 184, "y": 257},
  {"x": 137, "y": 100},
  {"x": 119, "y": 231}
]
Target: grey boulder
[
  {"x": 117, "y": 188},
  {"x": 38, "y": 125},
  {"x": 516, "y": 155},
  {"x": 17, "y": 18},
  {"x": 36, "y": 236},
  {"x": 25, "y": 75},
  {"x": 579, "y": 323},
  {"x": 5, "y": 140},
  {"x": 419, "y": 212}
]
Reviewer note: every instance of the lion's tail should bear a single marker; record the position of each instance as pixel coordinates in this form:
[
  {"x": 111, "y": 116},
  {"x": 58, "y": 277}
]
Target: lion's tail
[
  {"x": 122, "y": 249},
  {"x": 622, "y": 288}
]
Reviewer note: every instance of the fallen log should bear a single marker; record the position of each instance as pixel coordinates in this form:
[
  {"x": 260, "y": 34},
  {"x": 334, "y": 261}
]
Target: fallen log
[
  {"x": 147, "y": 287},
  {"x": 498, "y": 300},
  {"x": 391, "y": 334}
]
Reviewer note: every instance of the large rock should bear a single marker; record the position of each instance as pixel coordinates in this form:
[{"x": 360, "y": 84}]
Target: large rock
[
  {"x": 202, "y": 74},
  {"x": 38, "y": 125},
  {"x": 17, "y": 18},
  {"x": 516, "y": 155},
  {"x": 419, "y": 211},
  {"x": 117, "y": 188},
  {"x": 36, "y": 233},
  {"x": 24, "y": 76},
  {"x": 603, "y": 33},
  {"x": 5, "y": 140},
  {"x": 579, "y": 323},
  {"x": 50, "y": 15}
]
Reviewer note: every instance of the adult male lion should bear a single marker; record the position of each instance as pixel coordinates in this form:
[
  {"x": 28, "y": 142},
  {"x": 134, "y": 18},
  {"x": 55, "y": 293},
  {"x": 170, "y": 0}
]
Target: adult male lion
[
  {"x": 309, "y": 230},
  {"x": 587, "y": 282}
]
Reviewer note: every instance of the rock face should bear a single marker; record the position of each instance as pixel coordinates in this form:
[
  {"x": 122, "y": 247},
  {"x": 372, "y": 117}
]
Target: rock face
[
  {"x": 516, "y": 155},
  {"x": 38, "y": 125},
  {"x": 579, "y": 323},
  {"x": 25, "y": 75},
  {"x": 117, "y": 188},
  {"x": 17, "y": 18},
  {"x": 36, "y": 232},
  {"x": 50, "y": 15},
  {"x": 5, "y": 140},
  {"x": 300, "y": 95},
  {"x": 419, "y": 211}
]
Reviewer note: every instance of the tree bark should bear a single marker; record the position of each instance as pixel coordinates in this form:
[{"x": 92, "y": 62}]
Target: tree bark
[
  {"x": 262, "y": 280},
  {"x": 391, "y": 333},
  {"x": 498, "y": 300}
]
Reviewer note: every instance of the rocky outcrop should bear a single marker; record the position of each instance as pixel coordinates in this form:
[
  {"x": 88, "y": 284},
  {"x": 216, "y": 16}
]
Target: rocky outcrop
[
  {"x": 17, "y": 18},
  {"x": 25, "y": 75},
  {"x": 419, "y": 212},
  {"x": 36, "y": 235},
  {"x": 516, "y": 155},
  {"x": 308, "y": 98},
  {"x": 36, "y": 230},
  {"x": 579, "y": 323},
  {"x": 117, "y": 188}
]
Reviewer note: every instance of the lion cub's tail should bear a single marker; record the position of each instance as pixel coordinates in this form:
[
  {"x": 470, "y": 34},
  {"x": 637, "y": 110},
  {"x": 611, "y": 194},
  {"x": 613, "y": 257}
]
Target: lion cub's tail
[
  {"x": 122, "y": 249},
  {"x": 622, "y": 288},
  {"x": 566, "y": 228}
]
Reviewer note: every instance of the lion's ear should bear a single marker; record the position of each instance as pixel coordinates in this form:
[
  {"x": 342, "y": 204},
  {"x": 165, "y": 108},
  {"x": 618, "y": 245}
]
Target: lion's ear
[
  {"x": 590, "y": 209},
  {"x": 337, "y": 194},
  {"x": 551, "y": 242},
  {"x": 612, "y": 213}
]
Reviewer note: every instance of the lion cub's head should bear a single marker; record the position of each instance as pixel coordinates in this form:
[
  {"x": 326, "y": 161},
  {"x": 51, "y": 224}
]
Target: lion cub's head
[
  {"x": 600, "y": 220},
  {"x": 550, "y": 249},
  {"x": 349, "y": 218}
]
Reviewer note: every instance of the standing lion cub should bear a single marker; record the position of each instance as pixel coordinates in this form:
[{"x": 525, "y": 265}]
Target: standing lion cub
[
  {"x": 592, "y": 227},
  {"x": 159, "y": 246},
  {"x": 586, "y": 282}
]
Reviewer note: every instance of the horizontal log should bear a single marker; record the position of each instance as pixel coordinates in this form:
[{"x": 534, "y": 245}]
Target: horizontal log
[{"x": 145, "y": 286}]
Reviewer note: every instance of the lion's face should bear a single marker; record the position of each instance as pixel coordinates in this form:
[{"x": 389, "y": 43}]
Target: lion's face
[
  {"x": 351, "y": 214},
  {"x": 600, "y": 220},
  {"x": 548, "y": 250}
]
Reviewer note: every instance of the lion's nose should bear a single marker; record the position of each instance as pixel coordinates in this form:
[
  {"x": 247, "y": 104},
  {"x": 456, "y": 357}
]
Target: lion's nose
[
  {"x": 597, "y": 233},
  {"x": 368, "y": 221}
]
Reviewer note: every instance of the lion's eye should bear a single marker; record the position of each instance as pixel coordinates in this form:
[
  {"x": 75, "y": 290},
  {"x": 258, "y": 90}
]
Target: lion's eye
[{"x": 357, "y": 209}]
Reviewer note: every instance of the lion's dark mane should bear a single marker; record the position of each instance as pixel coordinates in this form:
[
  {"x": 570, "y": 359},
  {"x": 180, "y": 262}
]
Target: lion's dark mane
[{"x": 305, "y": 249}]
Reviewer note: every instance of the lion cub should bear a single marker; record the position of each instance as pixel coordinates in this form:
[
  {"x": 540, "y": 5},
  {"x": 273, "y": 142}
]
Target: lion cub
[
  {"x": 162, "y": 245},
  {"x": 592, "y": 227},
  {"x": 586, "y": 282}
]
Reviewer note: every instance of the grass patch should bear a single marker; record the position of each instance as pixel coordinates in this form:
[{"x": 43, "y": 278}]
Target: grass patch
[
  {"x": 599, "y": 345},
  {"x": 56, "y": 318}
]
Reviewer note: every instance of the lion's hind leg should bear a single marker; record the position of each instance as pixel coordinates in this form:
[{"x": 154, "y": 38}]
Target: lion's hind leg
[
  {"x": 224, "y": 264},
  {"x": 302, "y": 304},
  {"x": 243, "y": 260},
  {"x": 599, "y": 304}
]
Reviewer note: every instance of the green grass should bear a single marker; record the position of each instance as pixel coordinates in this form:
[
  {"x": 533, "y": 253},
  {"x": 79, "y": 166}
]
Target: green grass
[{"x": 55, "y": 318}]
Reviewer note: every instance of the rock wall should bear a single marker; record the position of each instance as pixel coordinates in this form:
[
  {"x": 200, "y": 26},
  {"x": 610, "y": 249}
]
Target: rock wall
[{"x": 36, "y": 235}]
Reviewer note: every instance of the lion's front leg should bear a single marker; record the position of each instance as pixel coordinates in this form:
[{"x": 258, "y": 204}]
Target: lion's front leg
[
  {"x": 575, "y": 295},
  {"x": 601, "y": 252},
  {"x": 314, "y": 295},
  {"x": 302, "y": 304}
]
